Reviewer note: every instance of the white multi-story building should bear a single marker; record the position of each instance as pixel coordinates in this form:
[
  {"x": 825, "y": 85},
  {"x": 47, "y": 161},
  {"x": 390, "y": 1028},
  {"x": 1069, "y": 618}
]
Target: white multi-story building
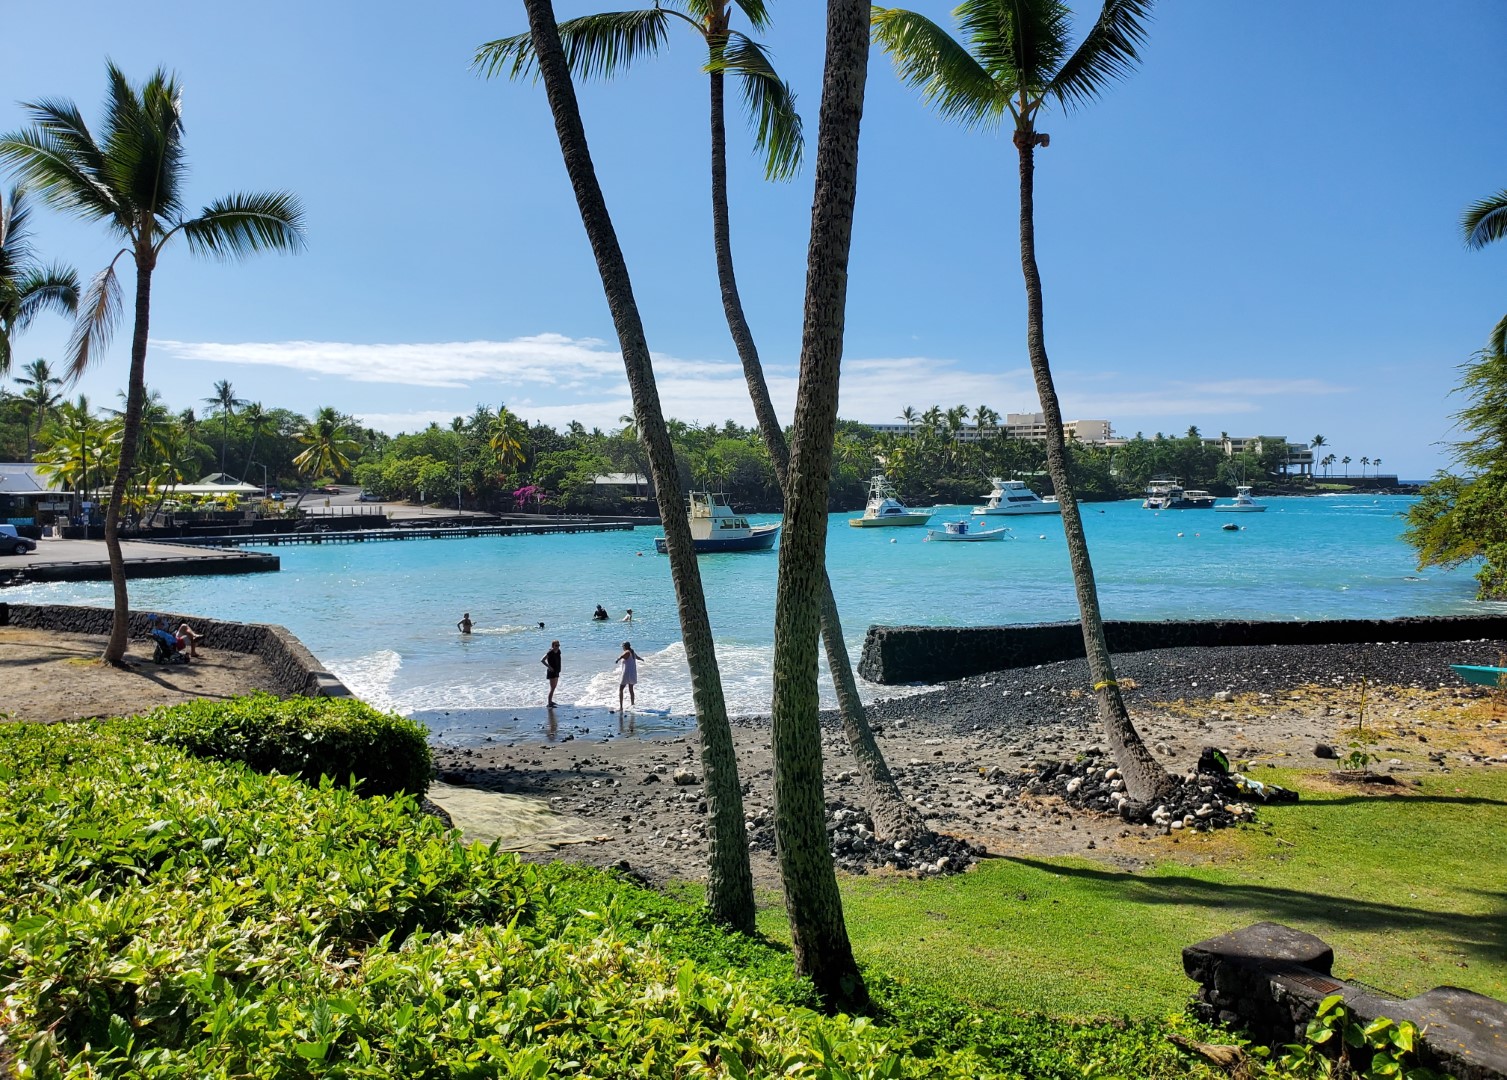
[{"x": 1031, "y": 426}]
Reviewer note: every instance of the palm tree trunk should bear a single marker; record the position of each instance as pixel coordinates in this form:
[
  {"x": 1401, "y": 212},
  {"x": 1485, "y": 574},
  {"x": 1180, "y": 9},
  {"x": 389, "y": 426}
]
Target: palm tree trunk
[
  {"x": 812, "y": 900},
  {"x": 115, "y": 647},
  {"x": 893, "y": 818},
  {"x": 1145, "y": 779},
  {"x": 729, "y": 889}
]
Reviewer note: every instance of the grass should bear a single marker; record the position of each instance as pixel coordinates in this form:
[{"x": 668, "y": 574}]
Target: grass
[{"x": 1406, "y": 888}]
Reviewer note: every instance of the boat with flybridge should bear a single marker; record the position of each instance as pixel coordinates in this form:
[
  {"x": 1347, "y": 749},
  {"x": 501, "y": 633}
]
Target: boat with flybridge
[
  {"x": 714, "y": 527},
  {"x": 1170, "y": 495},
  {"x": 1011, "y": 498},
  {"x": 885, "y": 510}
]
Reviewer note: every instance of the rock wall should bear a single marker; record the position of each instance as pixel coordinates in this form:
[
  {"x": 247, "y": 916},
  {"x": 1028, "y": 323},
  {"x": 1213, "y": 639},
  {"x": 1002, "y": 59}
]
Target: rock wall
[
  {"x": 929, "y": 654},
  {"x": 1269, "y": 979},
  {"x": 294, "y": 668}
]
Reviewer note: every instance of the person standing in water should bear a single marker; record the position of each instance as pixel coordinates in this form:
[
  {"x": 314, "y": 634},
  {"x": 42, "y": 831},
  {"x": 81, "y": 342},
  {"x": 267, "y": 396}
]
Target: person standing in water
[
  {"x": 627, "y": 618},
  {"x": 629, "y": 660},
  {"x": 464, "y": 626},
  {"x": 551, "y": 662}
]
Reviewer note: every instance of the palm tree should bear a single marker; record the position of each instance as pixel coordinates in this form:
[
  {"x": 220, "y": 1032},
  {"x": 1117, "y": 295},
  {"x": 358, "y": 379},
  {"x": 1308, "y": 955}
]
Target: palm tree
[
  {"x": 75, "y": 444},
  {"x": 504, "y": 436},
  {"x": 1318, "y": 441},
  {"x": 258, "y": 421},
  {"x": 330, "y": 446},
  {"x": 132, "y": 179},
  {"x": 26, "y": 289},
  {"x": 1363, "y": 463},
  {"x": 729, "y": 889},
  {"x": 226, "y": 403},
  {"x": 1021, "y": 60},
  {"x": 1327, "y": 462},
  {"x": 1345, "y": 461},
  {"x": 39, "y": 381},
  {"x": 1483, "y": 223},
  {"x": 601, "y": 45},
  {"x": 812, "y": 901},
  {"x": 1377, "y": 462},
  {"x": 910, "y": 416}
]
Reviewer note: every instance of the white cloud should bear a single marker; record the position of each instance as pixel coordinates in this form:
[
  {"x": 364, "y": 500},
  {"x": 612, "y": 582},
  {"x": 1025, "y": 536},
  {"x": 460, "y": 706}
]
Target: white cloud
[{"x": 554, "y": 379}]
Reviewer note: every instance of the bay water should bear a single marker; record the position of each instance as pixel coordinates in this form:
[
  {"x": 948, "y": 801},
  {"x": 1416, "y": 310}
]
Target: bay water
[{"x": 382, "y": 616}]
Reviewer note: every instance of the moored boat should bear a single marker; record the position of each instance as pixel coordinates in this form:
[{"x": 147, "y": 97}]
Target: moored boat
[
  {"x": 1243, "y": 503},
  {"x": 885, "y": 510},
  {"x": 1170, "y": 495},
  {"x": 1481, "y": 674},
  {"x": 964, "y": 531},
  {"x": 1011, "y": 498},
  {"x": 714, "y": 527}
]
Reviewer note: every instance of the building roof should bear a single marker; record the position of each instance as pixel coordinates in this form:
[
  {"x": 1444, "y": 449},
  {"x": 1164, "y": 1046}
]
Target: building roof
[
  {"x": 22, "y": 478},
  {"x": 620, "y": 479}
]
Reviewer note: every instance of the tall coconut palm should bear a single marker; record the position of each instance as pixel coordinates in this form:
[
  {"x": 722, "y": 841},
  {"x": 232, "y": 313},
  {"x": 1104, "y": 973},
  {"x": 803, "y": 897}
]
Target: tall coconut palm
[
  {"x": 812, "y": 901},
  {"x": 601, "y": 45},
  {"x": 26, "y": 287},
  {"x": 1345, "y": 461},
  {"x": 226, "y": 403},
  {"x": 131, "y": 179},
  {"x": 505, "y": 438},
  {"x": 329, "y": 445},
  {"x": 74, "y": 445},
  {"x": 41, "y": 396},
  {"x": 729, "y": 880},
  {"x": 909, "y": 416},
  {"x": 1483, "y": 223},
  {"x": 258, "y": 421},
  {"x": 1018, "y": 60}
]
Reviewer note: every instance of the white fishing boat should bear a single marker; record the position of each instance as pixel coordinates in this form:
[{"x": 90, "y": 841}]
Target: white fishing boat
[
  {"x": 965, "y": 531},
  {"x": 714, "y": 527},
  {"x": 885, "y": 510},
  {"x": 1243, "y": 503},
  {"x": 1011, "y": 498},
  {"x": 1170, "y": 495}
]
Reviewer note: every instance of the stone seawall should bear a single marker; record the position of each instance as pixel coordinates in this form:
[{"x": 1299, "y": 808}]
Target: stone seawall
[
  {"x": 931, "y": 654},
  {"x": 295, "y": 669}
]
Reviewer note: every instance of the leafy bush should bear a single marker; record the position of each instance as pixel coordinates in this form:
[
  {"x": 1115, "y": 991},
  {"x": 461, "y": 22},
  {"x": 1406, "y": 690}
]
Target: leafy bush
[
  {"x": 163, "y": 916},
  {"x": 341, "y": 738}
]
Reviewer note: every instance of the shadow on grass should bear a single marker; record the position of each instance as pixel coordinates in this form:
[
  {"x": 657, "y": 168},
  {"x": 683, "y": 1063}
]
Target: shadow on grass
[
  {"x": 1396, "y": 794},
  {"x": 1480, "y": 936}
]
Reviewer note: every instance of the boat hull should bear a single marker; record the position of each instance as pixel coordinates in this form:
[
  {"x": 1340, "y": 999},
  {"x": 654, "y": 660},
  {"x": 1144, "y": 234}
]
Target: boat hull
[
  {"x": 1232, "y": 509},
  {"x": 1481, "y": 675},
  {"x": 966, "y": 538},
  {"x": 893, "y": 521},
  {"x": 762, "y": 538},
  {"x": 1022, "y": 511}
]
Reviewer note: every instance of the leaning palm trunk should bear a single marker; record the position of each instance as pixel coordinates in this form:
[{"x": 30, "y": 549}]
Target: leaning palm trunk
[
  {"x": 812, "y": 900},
  {"x": 729, "y": 880},
  {"x": 115, "y": 647},
  {"x": 1145, "y": 779},
  {"x": 893, "y": 818}
]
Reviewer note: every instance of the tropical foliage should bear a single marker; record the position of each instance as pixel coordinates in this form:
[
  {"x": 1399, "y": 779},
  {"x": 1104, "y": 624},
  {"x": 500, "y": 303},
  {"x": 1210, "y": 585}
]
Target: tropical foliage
[{"x": 27, "y": 288}]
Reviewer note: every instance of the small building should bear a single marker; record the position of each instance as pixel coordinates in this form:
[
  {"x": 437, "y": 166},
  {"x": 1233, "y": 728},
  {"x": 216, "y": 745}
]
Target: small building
[
  {"x": 625, "y": 484},
  {"x": 26, "y": 495}
]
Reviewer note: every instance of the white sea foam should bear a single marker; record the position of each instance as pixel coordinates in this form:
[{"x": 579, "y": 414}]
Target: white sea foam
[{"x": 371, "y": 677}]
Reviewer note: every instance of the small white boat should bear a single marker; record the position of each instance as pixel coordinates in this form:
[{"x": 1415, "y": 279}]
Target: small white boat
[
  {"x": 962, "y": 530},
  {"x": 714, "y": 527},
  {"x": 1011, "y": 498},
  {"x": 885, "y": 510},
  {"x": 1243, "y": 503}
]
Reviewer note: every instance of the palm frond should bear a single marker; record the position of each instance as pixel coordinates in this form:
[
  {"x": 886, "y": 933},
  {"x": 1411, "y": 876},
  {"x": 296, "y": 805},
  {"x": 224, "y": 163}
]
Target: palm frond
[
  {"x": 15, "y": 244},
  {"x": 244, "y": 223},
  {"x": 1021, "y": 43},
  {"x": 45, "y": 163},
  {"x": 1497, "y": 343},
  {"x": 144, "y": 142},
  {"x": 596, "y": 46},
  {"x": 949, "y": 78},
  {"x": 54, "y": 287},
  {"x": 99, "y": 311},
  {"x": 1485, "y": 221},
  {"x": 755, "y": 12},
  {"x": 770, "y": 103},
  {"x": 1108, "y": 52}
]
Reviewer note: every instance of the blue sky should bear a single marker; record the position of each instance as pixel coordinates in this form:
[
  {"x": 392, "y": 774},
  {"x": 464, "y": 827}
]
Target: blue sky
[{"x": 1256, "y": 233}]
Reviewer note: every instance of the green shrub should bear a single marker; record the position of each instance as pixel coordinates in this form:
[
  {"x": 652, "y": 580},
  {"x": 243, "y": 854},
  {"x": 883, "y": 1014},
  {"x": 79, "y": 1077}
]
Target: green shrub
[{"x": 341, "y": 738}]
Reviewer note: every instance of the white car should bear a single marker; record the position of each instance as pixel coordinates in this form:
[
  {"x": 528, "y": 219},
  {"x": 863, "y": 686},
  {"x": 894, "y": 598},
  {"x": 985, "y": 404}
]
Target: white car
[{"x": 13, "y": 543}]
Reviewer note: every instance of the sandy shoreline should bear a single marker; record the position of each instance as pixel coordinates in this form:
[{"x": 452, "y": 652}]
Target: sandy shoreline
[{"x": 1281, "y": 702}]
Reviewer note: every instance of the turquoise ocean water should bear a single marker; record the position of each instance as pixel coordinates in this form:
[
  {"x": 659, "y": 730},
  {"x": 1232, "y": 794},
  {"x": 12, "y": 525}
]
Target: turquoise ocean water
[{"x": 382, "y": 616}]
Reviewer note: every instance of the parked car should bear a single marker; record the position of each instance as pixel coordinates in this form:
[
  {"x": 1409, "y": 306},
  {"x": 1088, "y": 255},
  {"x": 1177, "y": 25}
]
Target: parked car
[
  {"x": 368, "y": 496},
  {"x": 329, "y": 489},
  {"x": 13, "y": 543}
]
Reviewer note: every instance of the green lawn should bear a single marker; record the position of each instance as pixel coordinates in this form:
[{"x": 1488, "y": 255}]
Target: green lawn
[{"x": 1407, "y": 889}]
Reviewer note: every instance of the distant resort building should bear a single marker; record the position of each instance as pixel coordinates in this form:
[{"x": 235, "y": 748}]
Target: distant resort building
[{"x": 1033, "y": 427}]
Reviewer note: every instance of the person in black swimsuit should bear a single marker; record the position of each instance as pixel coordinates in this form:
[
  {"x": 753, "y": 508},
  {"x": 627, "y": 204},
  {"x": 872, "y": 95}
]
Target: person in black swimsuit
[
  {"x": 551, "y": 662},
  {"x": 600, "y": 615}
]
